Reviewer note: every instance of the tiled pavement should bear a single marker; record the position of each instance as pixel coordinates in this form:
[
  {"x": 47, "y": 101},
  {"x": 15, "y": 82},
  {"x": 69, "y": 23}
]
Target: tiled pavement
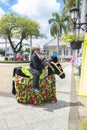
[
  {"x": 82, "y": 102},
  {"x": 51, "y": 116}
]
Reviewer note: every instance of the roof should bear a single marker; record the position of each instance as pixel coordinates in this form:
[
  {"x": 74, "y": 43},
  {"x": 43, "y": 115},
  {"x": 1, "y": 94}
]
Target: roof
[{"x": 53, "y": 42}]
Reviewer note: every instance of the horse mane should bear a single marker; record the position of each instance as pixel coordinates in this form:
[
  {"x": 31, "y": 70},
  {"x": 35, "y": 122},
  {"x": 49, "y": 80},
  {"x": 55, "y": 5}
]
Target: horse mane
[{"x": 54, "y": 59}]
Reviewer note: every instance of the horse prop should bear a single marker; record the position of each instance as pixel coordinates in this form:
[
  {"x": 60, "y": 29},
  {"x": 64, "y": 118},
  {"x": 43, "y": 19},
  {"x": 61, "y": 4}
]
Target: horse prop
[{"x": 22, "y": 84}]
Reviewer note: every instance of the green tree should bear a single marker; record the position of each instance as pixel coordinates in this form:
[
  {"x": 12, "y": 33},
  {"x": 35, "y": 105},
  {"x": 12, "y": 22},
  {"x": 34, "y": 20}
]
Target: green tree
[
  {"x": 2, "y": 52},
  {"x": 27, "y": 50},
  {"x": 58, "y": 26},
  {"x": 69, "y": 3},
  {"x": 17, "y": 28}
]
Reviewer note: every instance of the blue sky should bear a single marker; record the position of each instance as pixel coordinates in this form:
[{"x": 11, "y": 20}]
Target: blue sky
[{"x": 39, "y": 10}]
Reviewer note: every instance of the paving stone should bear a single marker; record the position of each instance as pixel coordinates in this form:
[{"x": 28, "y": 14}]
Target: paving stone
[
  {"x": 14, "y": 121},
  {"x": 41, "y": 125},
  {"x": 57, "y": 123},
  {"x": 3, "y": 124},
  {"x": 21, "y": 128}
]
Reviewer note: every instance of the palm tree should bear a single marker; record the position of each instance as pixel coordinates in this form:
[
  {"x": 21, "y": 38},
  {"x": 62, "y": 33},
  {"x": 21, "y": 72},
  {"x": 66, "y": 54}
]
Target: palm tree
[
  {"x": 58, "y": 26},
  {"x": 69, "y": 3}
]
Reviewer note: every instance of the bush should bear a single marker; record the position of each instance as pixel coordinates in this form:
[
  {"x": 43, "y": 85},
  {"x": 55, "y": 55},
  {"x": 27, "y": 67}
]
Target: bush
[{"x": 6, "y": 61}]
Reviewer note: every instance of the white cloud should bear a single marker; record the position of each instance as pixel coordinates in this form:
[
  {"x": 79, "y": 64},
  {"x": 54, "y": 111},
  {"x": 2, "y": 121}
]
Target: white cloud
[
  {"x": 39, "y": 10},
  {"x": 1, "y": 12},
  {"x": 36, "y": 8}
]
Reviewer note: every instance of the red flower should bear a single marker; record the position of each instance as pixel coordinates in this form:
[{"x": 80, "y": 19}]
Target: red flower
[
  {"x": 30, "y": 88},
  {"x": 44, "y": 94},
  {"x": 49, "y": 78},
  {"x": 33, "y": 98},
  {"x": 18, "y": 85},
  {"x": 17, "y": 77},
  {"x": 24, "y": 89},
  {"x": 37, "y": 103},
  {"x": 44, "y": 87}
]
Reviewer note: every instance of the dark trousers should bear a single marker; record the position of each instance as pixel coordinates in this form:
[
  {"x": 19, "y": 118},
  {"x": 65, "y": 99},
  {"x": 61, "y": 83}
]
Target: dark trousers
[
  {"x": 79, "y": 70},
  {"x": 35, "y": 81}
]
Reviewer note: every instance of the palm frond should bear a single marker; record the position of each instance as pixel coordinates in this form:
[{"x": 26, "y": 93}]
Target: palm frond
[{"x": 52, "y": 20}]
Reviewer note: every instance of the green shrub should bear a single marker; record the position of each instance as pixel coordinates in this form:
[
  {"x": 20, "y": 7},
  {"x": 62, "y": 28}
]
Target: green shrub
[{"x": 24, "y": 61}]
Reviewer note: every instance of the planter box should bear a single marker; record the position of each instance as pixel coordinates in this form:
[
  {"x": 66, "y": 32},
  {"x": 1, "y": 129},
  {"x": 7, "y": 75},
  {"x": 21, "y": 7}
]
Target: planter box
[
  {"x": 24, "y": 92},
  {"x": 76, "y": 44}
]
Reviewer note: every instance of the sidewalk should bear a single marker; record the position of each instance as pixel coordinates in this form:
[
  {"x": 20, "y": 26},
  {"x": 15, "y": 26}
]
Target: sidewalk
[
  {"x": 52, "y": 116},
  {"x": 83, "y": 108}
]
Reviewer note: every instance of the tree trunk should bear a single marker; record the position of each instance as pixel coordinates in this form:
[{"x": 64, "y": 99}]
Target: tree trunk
[
  {"x": 15, "y": 56},
  {"x": 5, "y": 48}
]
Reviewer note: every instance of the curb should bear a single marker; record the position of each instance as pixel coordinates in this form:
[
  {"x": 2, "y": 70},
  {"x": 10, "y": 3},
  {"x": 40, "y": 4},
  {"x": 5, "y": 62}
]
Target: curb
[{"x": 74, "y": 111}]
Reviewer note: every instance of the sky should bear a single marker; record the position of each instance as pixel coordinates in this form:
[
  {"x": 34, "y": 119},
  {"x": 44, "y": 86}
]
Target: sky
[{"x": 38, "y": 10}]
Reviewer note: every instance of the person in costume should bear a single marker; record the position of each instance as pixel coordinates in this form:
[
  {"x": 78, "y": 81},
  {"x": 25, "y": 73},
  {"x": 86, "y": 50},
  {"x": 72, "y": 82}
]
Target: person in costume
[{"x": 36, "y": 66}]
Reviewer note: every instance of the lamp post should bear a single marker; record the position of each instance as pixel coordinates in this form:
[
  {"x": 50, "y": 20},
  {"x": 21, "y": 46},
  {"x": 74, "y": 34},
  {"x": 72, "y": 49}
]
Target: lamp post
[
  {"x": 74, "y": 13},
  {"x": 78, "y": 25}
]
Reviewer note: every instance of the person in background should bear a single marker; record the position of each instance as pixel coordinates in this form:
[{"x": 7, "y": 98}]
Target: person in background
[
  {"x": 36, "y": 66},
  {"x": 73, "y": 59},
  {"x": 79, "y": 63}
]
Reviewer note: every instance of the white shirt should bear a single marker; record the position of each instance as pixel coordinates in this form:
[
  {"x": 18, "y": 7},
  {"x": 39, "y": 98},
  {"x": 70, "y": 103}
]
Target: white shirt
[
  {"x": 79, "y": 61},
  {"x": 38, "y": 54}
]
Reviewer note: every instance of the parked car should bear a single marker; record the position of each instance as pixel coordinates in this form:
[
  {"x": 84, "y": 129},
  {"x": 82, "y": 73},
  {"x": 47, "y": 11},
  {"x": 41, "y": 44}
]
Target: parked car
[
  {"x": 9, "y": 57},
  {"x": 19, "y": 57}
]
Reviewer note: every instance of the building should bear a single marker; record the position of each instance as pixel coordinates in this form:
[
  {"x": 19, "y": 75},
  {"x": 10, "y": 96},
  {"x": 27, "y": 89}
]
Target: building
[
  {"x": 50, "y": 48},
  {"x": 7, "y": 47}
]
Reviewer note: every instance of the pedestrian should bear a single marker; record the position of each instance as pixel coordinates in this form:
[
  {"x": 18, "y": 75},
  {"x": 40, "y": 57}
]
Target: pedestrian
[
  {"x": 73, "y": 59},
  {"x": 79, "y": 63},
  {"x": 36, "y": 66}
]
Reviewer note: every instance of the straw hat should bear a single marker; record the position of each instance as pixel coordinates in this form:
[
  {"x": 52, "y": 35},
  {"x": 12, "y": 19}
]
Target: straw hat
[{"x": 36, "y": 47}]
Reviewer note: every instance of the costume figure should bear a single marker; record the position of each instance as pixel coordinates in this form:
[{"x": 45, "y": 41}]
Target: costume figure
[{"x": 36, "y": 66}]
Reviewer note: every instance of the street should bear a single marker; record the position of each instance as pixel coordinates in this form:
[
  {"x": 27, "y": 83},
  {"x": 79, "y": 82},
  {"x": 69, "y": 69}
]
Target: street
[{"x": 62, "y": 115}]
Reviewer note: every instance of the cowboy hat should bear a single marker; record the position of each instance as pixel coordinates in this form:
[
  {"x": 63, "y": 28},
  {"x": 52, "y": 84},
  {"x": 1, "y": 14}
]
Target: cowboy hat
[{"x": 36, "y": 47}]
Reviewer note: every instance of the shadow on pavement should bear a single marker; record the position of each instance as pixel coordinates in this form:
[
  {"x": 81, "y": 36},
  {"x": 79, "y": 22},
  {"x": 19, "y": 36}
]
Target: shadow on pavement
[
  {"x": 6, "y": 94},
  {"x": 47, "y": 106},
  {"x": 58, "y": 105}
]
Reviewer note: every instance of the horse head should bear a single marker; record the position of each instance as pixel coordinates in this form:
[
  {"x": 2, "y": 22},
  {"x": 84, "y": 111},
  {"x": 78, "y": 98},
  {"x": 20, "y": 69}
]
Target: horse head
[{"x": 57, "y": 68}]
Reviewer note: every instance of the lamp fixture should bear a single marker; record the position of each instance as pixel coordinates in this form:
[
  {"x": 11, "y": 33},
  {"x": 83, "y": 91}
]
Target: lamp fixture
[{"x": 74, "y": 13}]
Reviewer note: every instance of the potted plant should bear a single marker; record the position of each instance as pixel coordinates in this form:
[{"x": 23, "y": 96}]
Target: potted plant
[{"x": 75, "y": 42}]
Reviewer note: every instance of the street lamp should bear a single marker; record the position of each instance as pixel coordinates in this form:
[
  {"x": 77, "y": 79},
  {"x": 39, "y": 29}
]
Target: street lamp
[
  {"x": 78, "y": 25},
  {"x": 74, "y": 12}
]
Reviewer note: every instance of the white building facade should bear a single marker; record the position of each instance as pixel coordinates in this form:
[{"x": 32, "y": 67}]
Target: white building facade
[{"x": 65, "y": 51}]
